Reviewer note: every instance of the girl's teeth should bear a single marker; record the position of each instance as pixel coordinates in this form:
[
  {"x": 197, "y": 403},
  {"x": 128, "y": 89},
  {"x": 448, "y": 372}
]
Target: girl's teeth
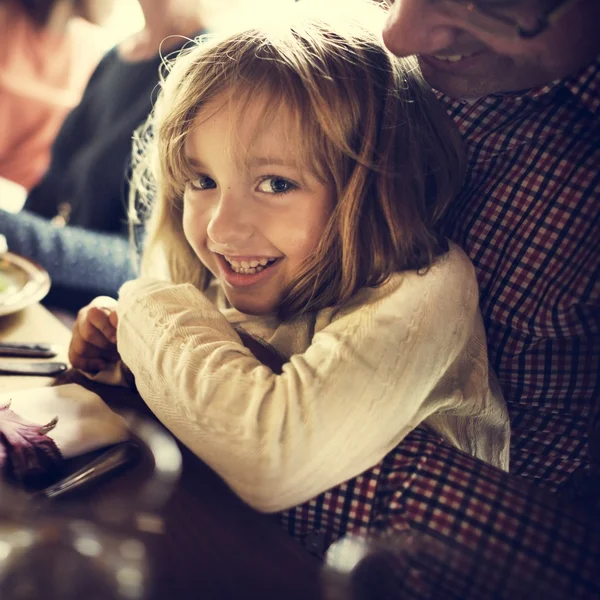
[
  {"x": 249, "y": 267},
  {"x": 249, "y": 270}
]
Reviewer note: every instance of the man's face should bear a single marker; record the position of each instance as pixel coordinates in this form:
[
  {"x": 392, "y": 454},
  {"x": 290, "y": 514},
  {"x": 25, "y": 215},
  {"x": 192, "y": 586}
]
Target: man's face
[{"x": 464, "y": 61}]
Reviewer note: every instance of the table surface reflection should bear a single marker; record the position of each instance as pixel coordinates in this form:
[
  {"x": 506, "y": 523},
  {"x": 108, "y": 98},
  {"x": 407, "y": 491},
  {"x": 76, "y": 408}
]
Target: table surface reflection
[{"x": 213, "y": 546}]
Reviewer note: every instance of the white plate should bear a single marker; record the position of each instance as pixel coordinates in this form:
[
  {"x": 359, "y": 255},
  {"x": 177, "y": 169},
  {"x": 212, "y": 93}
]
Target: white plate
[{"x": 22, "y": 282}]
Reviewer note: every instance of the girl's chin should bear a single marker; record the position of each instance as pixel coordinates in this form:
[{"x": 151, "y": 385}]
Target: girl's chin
[{"x": 250, "y": 306}]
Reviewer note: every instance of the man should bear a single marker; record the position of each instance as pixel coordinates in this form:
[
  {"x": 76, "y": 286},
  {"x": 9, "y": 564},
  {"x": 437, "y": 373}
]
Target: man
[{"x": 521, "y": 80}]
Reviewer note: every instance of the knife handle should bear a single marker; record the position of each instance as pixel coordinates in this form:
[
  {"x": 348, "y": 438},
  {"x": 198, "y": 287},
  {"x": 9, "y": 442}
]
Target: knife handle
[
  {"x": 9, "y": 367},
  {"x": 109, "y": 461}
]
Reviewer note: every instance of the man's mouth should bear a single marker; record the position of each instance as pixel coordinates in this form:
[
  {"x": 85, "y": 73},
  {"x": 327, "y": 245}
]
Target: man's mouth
[
  {"x": 249, "y": 265},
  {"x": 452, "y": 58}
]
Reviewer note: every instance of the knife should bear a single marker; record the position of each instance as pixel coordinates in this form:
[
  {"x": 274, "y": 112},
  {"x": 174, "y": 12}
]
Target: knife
[
  {"x": 108, "y": 462},
  {"x": 9, "y": 367},
  {"x": 30, "y": 350}
]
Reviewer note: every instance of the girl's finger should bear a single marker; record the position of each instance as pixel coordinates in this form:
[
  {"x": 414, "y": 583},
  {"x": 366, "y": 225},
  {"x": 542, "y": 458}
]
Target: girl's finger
[
  {"x": 90, "y": 334},
  {"x": 114, "y": 318},
  {"x": 88, "y": 357},
  {"x": 79, "y": 347},
  {"x": 88, "y": 364},
  {"x": 99, "y": 317}
]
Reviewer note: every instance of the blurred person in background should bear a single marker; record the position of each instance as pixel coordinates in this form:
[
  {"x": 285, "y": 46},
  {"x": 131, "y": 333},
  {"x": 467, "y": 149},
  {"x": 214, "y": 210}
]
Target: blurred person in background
[
  {"x": 49, "y": 50},
  {"x": 74, "y": 222}
]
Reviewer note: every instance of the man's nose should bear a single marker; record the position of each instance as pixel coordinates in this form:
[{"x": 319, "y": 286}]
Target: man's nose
[
  {"x": 417, "y": 27},
  {"x": 231, "y": 221}
]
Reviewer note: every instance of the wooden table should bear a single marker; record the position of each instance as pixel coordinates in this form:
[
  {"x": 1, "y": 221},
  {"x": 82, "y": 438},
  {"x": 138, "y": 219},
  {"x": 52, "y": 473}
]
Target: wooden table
[
  {"x": 32, "y": 324},
  {"x": 213, "y": 545}
]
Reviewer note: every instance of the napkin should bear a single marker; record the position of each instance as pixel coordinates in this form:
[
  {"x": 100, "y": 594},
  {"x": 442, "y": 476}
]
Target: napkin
[{"x": 42, "y": 427}]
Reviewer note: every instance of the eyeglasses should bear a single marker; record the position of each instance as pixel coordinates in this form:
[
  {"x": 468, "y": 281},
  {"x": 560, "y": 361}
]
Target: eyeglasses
[{"x": 508, "y": 18}]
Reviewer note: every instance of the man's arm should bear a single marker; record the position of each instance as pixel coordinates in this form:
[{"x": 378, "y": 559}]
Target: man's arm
[{"x": 75, "y": 258}]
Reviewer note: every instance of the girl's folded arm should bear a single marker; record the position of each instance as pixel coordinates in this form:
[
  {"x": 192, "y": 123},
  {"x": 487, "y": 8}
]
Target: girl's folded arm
[{"x": 336, "y": 409}]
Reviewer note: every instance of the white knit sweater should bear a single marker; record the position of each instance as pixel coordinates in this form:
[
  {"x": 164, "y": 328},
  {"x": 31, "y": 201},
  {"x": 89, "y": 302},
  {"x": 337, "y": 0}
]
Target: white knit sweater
[{"x": 360, "y": 377}]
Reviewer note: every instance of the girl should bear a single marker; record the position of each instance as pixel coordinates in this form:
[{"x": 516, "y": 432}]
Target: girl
[{"x": 298, "y": 173}]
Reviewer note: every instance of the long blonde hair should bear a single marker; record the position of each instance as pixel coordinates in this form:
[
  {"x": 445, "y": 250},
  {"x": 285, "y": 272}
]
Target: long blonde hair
[{"x": 368, "y": 124}]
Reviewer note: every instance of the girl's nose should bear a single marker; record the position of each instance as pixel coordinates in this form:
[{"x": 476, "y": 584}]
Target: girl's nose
[
  {"x": 230, "y": 223},
  {"x": 418, "y": 27}
]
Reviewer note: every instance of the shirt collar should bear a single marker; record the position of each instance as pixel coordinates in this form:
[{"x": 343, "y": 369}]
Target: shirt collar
[{"x": 585, "y": 86}]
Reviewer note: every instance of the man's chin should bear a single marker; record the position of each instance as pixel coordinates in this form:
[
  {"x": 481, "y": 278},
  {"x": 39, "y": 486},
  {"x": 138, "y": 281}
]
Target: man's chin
[
  {"x": 485, "y": 75},
  {"x": 456, "y": 84}
]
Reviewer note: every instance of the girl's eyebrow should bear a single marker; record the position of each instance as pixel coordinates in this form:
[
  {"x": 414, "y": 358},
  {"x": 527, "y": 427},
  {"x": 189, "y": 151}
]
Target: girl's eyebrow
[
  {"x": 261, "y": 161},
  {"x": 195, "y": 163},
  {"x": 253, "y": 162}
]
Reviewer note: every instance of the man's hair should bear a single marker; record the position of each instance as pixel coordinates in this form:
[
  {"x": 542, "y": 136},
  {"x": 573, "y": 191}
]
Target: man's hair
[{"x": 367, "y": 124}]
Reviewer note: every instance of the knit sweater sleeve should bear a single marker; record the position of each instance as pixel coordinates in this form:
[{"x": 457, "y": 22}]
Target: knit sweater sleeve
[
  {"x": 381, "y": 366},
  {"x": 74, "y": 257}
]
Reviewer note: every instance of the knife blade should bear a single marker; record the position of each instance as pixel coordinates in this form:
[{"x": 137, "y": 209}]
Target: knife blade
[
  {"x": 26, "y": 349},
  {"x": 110, "y": 461}
]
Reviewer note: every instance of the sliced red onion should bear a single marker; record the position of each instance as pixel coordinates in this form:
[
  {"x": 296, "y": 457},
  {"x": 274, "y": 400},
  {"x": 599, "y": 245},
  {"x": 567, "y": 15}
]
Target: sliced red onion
[{"x": 26, "y": 451}]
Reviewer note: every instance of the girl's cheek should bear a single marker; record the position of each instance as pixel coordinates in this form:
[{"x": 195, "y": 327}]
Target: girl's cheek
[{"x": 190, "y": 228}]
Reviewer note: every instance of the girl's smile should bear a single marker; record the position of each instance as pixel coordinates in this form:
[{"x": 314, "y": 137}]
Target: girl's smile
[
  {"x": 249, "y": 265},
  {"x": 245, "y": 271}
]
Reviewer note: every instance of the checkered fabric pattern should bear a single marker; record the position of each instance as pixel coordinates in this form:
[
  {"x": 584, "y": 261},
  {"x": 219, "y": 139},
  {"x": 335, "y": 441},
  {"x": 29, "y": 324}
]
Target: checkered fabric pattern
[
  {"x": 529, "y": 219},
  {"x": 486, "y": 534}
]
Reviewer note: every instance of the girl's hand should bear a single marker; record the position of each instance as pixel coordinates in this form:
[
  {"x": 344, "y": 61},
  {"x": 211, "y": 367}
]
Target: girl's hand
[{"x": 94, "y": 341}]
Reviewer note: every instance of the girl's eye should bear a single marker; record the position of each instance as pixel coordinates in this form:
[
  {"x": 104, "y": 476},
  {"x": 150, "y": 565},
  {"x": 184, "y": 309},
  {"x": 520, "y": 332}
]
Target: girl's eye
[
  {"x": 275, "y": 185},
  {"x": 202, "y": 182}
]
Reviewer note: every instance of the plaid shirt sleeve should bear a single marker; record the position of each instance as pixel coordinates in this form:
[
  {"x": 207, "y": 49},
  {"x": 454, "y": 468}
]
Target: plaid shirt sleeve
[{"x": 480, "y": 533}]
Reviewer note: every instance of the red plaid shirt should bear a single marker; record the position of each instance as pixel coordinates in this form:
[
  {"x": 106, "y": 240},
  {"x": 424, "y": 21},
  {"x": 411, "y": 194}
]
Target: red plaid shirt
[{"x": 529, "y": 220}]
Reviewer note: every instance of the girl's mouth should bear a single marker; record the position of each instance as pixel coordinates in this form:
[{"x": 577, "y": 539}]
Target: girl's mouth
[{"x": 248, "y": 265}]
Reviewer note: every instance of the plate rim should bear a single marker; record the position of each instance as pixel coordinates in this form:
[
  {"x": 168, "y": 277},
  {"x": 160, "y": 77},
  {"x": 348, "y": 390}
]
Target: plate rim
[{"x": 35, "y": 274}]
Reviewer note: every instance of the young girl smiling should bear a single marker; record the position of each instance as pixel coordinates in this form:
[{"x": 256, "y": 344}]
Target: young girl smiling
[{"x": 296, "y": 174}]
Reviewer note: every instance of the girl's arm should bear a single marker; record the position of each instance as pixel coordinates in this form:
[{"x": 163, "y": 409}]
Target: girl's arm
[{"x": 368, "y": 378}]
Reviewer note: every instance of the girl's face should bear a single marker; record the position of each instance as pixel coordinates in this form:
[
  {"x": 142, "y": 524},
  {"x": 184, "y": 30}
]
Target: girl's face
[{"x": 252, "y": 213}]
